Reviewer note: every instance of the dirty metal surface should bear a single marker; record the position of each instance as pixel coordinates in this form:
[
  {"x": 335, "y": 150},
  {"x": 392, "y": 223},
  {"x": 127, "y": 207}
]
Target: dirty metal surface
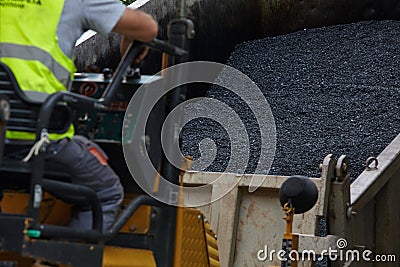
[{"x": 247, "y": 222}]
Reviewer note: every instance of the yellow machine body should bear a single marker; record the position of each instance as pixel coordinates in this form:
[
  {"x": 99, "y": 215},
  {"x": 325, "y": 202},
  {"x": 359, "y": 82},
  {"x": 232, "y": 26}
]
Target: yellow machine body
[
  {"x": 195, "y": 241},
  {"x": 52, "y": 211}
]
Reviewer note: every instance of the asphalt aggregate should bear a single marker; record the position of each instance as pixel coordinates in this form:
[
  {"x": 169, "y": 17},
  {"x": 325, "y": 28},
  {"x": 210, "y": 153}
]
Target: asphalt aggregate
[{"x": 332, "y": 90}]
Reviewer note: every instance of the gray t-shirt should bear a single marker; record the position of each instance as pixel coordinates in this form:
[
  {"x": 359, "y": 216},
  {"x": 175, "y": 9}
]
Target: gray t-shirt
[{"x": 79, "y": 16}]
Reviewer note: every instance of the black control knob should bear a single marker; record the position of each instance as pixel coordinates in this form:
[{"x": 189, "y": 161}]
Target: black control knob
[
  {"x": 299, "y": 191},
  {"x": 133, "y": 73},
  {"x": 107, "y": 74}
]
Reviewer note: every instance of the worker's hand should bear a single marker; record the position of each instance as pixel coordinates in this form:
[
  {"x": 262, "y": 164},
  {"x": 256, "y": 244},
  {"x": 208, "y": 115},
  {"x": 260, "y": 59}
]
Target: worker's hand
[
  {"x": 142, "y": 55},
  {"x": 125, "y": 42}
]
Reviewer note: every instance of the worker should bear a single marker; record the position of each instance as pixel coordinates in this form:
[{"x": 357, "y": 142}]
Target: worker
[{"x": 37, "y": 40}]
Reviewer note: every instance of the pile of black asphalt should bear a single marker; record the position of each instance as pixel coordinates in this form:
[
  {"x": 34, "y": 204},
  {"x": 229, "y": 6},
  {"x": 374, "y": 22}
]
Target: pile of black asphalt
[{"x": 332, "y": 90}]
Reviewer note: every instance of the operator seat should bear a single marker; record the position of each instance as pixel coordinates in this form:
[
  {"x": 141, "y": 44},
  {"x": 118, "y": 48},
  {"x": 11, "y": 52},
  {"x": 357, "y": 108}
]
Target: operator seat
[
  {"x": 4, "y": 115},
  {"x": 28, "y": 114},
  {"x": 24, "y": 110}
]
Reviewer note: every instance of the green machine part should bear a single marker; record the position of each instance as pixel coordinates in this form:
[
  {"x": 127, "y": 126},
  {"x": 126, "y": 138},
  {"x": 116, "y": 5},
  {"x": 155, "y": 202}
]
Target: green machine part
[{"x": 103, "y": 125}]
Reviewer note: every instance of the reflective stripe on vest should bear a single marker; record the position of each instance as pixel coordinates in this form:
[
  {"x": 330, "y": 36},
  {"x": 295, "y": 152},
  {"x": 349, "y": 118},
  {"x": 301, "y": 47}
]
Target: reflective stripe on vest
[
  {"x": 8, "y": 50},
  {"x": 29, "y": 46}
]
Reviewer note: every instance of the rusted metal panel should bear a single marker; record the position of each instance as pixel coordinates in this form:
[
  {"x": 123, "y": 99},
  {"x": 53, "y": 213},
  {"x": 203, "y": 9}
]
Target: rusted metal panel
[
  {"x": 368, "y": 183},
  {"x": 260, "y": 224},
  {"x": 316, "y": 244},
  {"x": 339, "y": 204},
  {"x": 260, "y": 227},
  {"x": 387, "y": 220},
  {"x": 363, "y": 231},
  {"x": 226, "y": 224},
  {"x": 375, "y": 211},
  {"x": 248, "y": 222}
]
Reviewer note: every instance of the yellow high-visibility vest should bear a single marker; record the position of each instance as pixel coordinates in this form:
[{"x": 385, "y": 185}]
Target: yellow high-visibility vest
[{"x": 29, "y": 47}]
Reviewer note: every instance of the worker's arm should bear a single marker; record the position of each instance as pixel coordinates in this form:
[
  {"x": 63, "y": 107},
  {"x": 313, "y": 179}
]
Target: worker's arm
[{"x": 136, "y": 25}]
